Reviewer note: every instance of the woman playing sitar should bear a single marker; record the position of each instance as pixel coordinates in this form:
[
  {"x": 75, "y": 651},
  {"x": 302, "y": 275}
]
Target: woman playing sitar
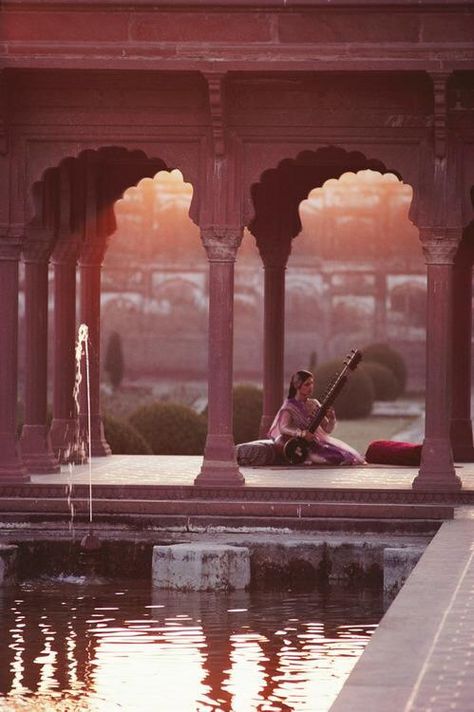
[{"x": 291, "y": 428}]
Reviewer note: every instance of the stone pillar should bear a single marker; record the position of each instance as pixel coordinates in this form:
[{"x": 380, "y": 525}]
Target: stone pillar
[
  {"x": 461, "y": 424},
  {"x": 437, "y": 469},
  {"x": 380, "y": 305},
  {"x": 90, "y": 263},
  {"x": 219, "y": 466},
  {"x": 11, "y": 465},
  {"x": 64, "y": 426},
  {"x": 35, "y": 441},
  {"x": 273, "y": 341}
]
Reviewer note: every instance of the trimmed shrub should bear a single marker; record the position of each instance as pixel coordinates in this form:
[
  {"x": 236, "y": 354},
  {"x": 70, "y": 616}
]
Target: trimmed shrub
[
  {"x": 247, "y": 412},
  {"x": 114, "y": 363},
  {"x": 389, "y": 357},
  {"x": 170, "y": 428},
  {"x": 386, "y": 386},
  {"x": 123, "y": 438},
  {"x": 356, "y": 398}
]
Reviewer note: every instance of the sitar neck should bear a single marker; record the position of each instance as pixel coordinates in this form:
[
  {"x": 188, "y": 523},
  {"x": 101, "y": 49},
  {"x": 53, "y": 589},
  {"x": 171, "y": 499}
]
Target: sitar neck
[{"x": 335, "y": 388}]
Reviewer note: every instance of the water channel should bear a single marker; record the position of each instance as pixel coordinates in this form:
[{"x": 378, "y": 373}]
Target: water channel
[{"x": 69, "y": 644}]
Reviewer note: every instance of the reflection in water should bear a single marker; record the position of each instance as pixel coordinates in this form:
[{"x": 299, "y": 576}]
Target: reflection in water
[{"x": 74, "y": 646}]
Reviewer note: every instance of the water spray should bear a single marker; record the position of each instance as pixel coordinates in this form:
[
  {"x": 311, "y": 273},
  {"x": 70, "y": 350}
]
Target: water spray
[{"x": 90, "y": 542}]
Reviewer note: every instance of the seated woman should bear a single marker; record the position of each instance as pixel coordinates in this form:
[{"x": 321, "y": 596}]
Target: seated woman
[{"x": 294, "y": 417}]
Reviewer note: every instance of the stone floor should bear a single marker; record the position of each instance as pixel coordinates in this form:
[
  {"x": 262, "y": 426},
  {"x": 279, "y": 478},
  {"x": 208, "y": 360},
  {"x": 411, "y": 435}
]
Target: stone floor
[
  {"x": 182, "y": 470},
  {"x": 421, "y": 657}
]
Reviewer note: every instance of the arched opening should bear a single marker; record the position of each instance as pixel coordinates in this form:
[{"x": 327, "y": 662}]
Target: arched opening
[
  {"x": 73, "y": 222},
  {"x": 339, "y": 227},
  {"x": 358, "y": 241},
  {"x": 157, "y": 260}
]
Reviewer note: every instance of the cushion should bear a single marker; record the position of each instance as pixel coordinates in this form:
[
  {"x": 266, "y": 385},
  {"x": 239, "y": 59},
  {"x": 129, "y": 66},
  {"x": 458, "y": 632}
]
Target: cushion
[
  {"x": 256, "y": 452},
  {"x": 392, "y": 452}
]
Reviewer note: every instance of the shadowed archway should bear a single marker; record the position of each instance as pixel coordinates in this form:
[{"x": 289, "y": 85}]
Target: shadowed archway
[
  {"x": 275, "y": 224},
  {"x": 74, "y": 217}
]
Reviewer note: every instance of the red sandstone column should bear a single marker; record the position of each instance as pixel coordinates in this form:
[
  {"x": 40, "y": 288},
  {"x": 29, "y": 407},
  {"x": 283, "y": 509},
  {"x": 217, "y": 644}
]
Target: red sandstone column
[
  {"x": 273, "y": 342},
  {"x": 91, "y": 264},
  {"x": 64, "y": 426},
  {"x": 219, "y": 466},
  {"x": 380, "y": 310},
  {"x": 437, "y": 469},
  {"x": 35, "y": 441},
  {"x": 461, "y": 424},
  {"x": 11, "y": 466}
]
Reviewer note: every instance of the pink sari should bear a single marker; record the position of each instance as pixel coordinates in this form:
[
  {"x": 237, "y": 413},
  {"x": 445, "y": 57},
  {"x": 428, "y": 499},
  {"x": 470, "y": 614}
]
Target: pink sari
[{"x": 326, "y": 449}]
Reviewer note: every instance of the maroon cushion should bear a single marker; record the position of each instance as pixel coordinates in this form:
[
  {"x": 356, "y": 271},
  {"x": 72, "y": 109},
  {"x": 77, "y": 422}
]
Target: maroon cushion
[{"x": 391, "y": 452}]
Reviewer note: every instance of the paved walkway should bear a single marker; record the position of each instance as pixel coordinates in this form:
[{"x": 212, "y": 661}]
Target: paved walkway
[
  {"x": 421, "y": 657},
  {"x": 183, "y": 469}
]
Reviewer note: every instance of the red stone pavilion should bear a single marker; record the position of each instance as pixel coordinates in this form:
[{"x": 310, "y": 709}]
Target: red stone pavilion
[{"x": 257, "y": 103}]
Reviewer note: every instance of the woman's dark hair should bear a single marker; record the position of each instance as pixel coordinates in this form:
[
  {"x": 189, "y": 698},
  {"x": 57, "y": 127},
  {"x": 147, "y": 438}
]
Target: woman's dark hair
[{"x": 297, "y": 380}]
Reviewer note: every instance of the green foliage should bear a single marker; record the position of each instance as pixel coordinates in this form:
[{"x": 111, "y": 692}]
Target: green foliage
[
  {"x": 386, "y": 386},
  {"x": 114, "y": 362},
  {"x": 247, "y": 412},
  {"x": 123, "y": 438},
  {"x": 356, "y": 398},
  {"x": 125, "y": 400},
  {"x": 389, "y": 357},
  {"x": 170, "y": 428}
]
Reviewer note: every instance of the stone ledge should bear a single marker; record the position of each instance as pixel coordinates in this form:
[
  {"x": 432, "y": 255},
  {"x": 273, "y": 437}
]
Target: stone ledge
[
  {"x": 8, "y": 564},
  {"x": 201, "y": 567}
]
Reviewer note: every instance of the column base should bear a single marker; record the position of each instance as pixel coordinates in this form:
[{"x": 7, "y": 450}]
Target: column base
[
  {"x": 219, "y": 467},
  {"x": 99, "y": 445},
  {"x": 100, "y": 448},
  {"x": 462, "y": 440},
  {"x": 437, "y": 469},
  {"x": 219, "y": 473},
  {"x": 36, "y": 451},
  {"x": 64, "y": 440},
  {"x": 12, "y": 468}
]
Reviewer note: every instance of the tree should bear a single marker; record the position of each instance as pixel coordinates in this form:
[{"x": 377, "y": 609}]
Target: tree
[{"x": 114, "y": 363}]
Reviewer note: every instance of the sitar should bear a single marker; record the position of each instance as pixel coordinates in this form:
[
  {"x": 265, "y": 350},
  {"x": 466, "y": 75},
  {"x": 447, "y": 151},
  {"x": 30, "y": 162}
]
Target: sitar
[{"x": 296, "y": 450}]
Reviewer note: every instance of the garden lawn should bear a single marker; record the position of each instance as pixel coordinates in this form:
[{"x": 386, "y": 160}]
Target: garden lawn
[{"x": 359, "y": 433}]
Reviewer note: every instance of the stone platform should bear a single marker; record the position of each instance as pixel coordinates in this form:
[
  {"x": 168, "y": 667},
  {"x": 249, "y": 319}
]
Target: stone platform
[
  {"x": 158, "y": 491},
  {"x": 421, "y": 656}
]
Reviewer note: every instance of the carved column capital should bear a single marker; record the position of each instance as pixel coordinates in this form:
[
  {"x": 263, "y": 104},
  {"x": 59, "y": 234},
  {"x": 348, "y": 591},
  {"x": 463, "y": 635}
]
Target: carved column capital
[
  {"x": 38, "y": 244},
  {"x": 66, "y": 250},
  {"x": 440, "y": 245},
  {"x": 221, "y": 242},
  {"x": 276, "y": 258},
  {"x": 274, "y": 248},
  {"x": 92, "y": 253},
  {"x": 11, "y": 242}
]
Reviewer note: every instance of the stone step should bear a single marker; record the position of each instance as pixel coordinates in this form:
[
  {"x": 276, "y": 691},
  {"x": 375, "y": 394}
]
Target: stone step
[
  {"x": 245, "y": 494},
  {"x": 223, "y": 508},
  {"x": 14, "y": 525}
]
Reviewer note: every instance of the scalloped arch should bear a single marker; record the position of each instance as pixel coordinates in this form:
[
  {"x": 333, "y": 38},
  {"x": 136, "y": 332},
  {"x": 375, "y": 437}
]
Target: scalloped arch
[
  {"x": 280, "y": 190},
  {"x": 135, "y": 164}
]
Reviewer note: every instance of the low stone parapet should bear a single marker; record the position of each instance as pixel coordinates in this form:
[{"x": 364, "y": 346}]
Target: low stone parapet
[
  {"x": 398, "y": 563},
  {"x": 201, "y": 567},
  {"x": 8, "y": 564}
]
